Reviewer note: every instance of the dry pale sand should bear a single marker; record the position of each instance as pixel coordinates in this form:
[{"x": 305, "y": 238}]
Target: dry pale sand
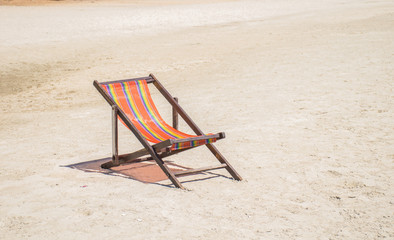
[{"x": 303, "y": 90}]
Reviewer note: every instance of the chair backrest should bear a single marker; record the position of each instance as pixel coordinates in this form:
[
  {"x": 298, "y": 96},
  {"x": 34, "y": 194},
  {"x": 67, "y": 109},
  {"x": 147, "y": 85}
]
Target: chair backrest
[{"x": 134, "y": 99}]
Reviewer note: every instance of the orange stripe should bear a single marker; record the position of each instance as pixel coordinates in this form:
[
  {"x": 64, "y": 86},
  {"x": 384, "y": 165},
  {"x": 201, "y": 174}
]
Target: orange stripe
[{"x": 125, "y": 107}]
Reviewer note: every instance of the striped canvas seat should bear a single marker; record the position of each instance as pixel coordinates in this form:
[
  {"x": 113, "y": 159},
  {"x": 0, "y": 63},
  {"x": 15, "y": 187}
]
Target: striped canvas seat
[{"x": 134, "y": 99}]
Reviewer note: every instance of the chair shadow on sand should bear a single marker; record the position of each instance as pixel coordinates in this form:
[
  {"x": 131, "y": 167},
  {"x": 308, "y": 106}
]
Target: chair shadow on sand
[{"x": 145, "y": 172}]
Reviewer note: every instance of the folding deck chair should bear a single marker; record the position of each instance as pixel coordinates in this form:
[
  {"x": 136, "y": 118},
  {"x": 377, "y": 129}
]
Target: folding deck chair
[{"x": 132, "y": 103}]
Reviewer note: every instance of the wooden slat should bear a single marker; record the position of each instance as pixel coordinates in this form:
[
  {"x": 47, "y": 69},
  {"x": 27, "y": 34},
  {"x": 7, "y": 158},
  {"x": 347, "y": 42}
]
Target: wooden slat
[
  {"x": 131, "y": 158},
  {"x": 167, "y": 143},
  {"x": 111, "y": 164},
  {"x": 196, "y": 170},
  {"x": 204, "y": 137},
  {"x": 148, "y": 79}
]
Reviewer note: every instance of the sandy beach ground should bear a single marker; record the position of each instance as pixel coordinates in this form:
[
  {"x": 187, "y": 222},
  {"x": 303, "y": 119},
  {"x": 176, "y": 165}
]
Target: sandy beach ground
[{"x": 303, "y": 90}]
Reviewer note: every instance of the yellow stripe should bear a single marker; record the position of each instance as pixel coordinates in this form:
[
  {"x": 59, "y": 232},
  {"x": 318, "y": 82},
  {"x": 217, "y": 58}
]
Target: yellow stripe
[{"x": 114, "y": 96}]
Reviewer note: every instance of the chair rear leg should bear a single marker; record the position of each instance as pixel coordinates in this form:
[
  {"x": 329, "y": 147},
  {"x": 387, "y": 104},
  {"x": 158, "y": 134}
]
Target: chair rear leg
[
  {"x": 115, "y": 153},
  {"x": 222, "y": 159}
]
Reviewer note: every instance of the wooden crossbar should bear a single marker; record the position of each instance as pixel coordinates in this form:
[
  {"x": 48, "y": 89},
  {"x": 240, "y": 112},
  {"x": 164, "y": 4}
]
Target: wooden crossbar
[
  {"x": 170, "y": 142},
  {"x": 148, "y": 79},
  {"x": 197, "y": 170}
]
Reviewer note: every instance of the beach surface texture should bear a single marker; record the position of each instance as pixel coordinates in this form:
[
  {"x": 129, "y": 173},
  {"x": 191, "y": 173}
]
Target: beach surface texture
[{"x": 304, "y": 91}]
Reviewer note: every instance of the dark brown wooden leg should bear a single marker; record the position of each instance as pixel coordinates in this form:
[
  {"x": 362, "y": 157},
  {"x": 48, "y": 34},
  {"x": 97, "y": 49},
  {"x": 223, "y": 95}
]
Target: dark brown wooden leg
[
  {"x": 167, "y": 171},
  {"x": 222, "y": 159},
  {"x": 115, "y": 155}
]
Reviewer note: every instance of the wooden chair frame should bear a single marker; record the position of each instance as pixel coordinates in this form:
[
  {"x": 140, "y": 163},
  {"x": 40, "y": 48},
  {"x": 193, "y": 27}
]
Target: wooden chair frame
[{"x": 162, "y": 149}]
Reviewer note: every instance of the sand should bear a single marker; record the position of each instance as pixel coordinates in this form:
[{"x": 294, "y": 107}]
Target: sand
[{"x": 303, "y": 91}]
